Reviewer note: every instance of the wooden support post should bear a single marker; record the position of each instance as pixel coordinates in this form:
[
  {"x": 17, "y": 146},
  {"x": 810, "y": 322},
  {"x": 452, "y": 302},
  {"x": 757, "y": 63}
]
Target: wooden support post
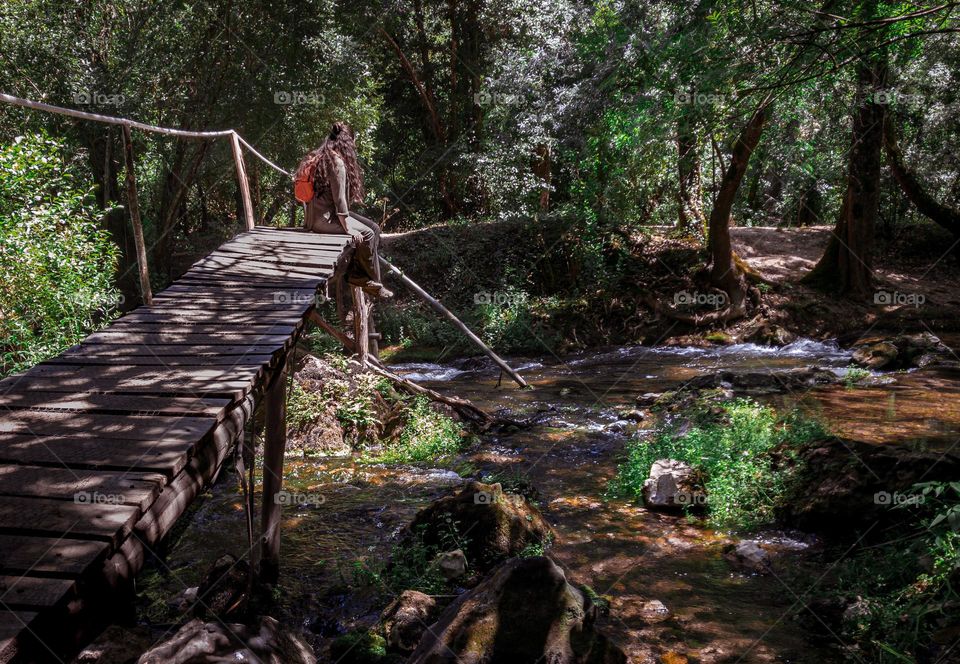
[
  {"x": 244, "y": 182},
  {"x": 361, "y": 329},
  {"x": 133, "y": 205},
  {"x": 456, "y": 322},
  {"x": 275, "y": 442}
]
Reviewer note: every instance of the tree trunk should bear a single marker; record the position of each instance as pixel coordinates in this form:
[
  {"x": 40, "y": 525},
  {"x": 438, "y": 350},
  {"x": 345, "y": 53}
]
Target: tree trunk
[
  {"x": 846, "y": 266},
  {"x": 913, "y": 189},
  {"x": 690, "y": 219},
  {"x": 725, "y": 274},
  {"x": 542, "y": 170}
]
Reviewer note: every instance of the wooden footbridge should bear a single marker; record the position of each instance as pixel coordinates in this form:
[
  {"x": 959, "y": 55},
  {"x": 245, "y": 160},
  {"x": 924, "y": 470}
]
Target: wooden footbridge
[{"x": 105, "y": 446}]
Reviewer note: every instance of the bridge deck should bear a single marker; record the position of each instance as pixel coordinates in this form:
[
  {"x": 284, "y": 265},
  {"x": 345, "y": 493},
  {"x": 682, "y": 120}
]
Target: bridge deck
[{"x": 103, "y": 447}]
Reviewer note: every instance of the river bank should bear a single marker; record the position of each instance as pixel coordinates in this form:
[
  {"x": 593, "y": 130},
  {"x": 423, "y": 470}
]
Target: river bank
[{"x": 576, "y": 425}]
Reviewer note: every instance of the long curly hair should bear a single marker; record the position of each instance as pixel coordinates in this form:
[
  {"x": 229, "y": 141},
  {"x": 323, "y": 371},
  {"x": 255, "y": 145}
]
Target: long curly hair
[{"x": 316, "y": 165}]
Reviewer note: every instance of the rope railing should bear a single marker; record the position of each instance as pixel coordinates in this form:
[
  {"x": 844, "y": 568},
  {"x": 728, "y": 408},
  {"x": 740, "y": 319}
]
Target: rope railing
[{"x": 236, "y": 140}]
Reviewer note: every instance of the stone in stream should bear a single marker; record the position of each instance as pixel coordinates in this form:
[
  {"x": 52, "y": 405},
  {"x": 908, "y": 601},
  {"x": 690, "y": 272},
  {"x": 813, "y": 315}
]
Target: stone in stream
[
  {"x": 903, "y": 351},
  {"x": 490, "y": 524},
  {"x": 198, "y": 642},
  {"x": 407, "y": 618},
  {"x": 748, "y": 556},
  {"x": 452, "y": 564},
  {"x": 525, "y": 611},
  {"x": 672, "y": 484},
  {"x": 224, "y": 591},
  {"x": 843, "y": 487}
]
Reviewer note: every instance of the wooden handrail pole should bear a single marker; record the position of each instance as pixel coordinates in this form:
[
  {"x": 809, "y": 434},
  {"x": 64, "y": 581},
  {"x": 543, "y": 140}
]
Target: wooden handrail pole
[
  {"x": 456, "y": 322},
  {"x": 133, "y": 205},
  {"x": 244, "y": 182}
]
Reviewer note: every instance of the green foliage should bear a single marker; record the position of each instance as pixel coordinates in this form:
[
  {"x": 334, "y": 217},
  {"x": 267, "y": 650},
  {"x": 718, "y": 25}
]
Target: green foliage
[
  {"x": 360, "y": 647},
  {"x": 854, "y": 376},
  {"x": 732, "y": 452},
  {"x": 907, "y": 588},
  {"x": 56, "y": 265},
  {"x": 354, "y": 400},
  {"x": 427, "y": 435}
]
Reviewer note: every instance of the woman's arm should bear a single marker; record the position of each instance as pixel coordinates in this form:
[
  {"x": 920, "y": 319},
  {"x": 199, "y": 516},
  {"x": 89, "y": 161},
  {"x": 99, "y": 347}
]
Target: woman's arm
[{"x": 338, "y": 187}]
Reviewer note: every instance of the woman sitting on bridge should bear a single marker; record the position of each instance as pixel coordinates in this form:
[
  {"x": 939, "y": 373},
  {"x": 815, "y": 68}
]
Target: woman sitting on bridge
[{"x": 338, "y": 179}]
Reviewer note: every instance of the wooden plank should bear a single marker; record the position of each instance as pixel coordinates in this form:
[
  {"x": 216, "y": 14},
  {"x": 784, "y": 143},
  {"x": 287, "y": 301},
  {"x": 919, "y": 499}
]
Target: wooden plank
[
  {"x": 145, "y": 333},
  {"x": 180, "y": 387},
  {"x": 28, "y": 516},
  {"x": 223, "y": 318},
  {"x": 119, "y": 351},
  {"x": 22, "y": 554},
  {"x": 125, "y": 488},
  {"x": 116, "y": 404},
  {"x": 162, "y": 456},
  {"x": 12, "y": 623},
  {"x": 87, "y": 425},
  {"x": 264, "y": 267},
  {"x": 147, "y": 360},
  {"x": 27, "y": 592},
  {"x": 267, "y": 301}
]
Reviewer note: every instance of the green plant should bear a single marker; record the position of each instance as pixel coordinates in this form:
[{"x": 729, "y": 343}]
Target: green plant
[
  {"x": 732, "y": 453},
  {"x": 56, "y": 264},
  {"x": 427, "y": 435},
  {"x": 854, "y": 376}
]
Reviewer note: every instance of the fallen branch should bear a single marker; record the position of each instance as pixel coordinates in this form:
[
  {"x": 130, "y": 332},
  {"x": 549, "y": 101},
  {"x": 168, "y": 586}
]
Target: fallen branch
[{"x": 464, "y": 408}]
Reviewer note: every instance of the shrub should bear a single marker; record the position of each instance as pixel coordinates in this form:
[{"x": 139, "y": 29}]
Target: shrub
[
  {"x": 56, "y": 263},
  {"x": 426, "y": 436},
  {"x": 733, "y": 454}
]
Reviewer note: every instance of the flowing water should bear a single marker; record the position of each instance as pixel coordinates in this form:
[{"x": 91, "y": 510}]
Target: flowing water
[{"x": 569, "y": 451}]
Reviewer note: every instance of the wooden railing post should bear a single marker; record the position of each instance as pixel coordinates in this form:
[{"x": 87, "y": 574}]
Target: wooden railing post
[
  {"x": 133, "y": 205},
  {"x": 244, "y": 182},
  {"x": 275, "y": 442}
]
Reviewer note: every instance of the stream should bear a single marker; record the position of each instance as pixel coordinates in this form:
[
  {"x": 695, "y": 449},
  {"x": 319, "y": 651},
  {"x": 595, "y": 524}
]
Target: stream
[{"x": 576, "y": 436}]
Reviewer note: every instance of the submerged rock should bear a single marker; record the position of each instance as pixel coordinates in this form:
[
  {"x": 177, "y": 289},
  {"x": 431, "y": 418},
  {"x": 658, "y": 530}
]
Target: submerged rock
[
  {"x": 491, "y": 525},
  {"x": 406, "y": 619},
  {"x": 198, "y": 642},
  {"x": 672, "y": 484},
  {"x": 748, "y": 556},
  {"x": 224, "y": 591},
  {"x": 525, "y": 611}
]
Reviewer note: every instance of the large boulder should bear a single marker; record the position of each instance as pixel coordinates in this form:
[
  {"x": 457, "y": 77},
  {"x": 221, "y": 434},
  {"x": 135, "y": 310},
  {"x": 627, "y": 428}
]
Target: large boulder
[
  {"x": 843, "y": 487},
  {"x": 489, "y": 524},
  {"x": 904, "y": 351},
  {"x": 198, "y": 642},
  {"x": 673, "y": 484},
  {"x": 525, "y": 611},
  {"x": 406, "y": 619}
]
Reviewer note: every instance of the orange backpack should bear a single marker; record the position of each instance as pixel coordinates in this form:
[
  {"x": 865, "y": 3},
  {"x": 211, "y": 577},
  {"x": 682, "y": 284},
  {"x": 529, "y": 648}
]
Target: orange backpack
[{"x": 303, "y": 190}]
